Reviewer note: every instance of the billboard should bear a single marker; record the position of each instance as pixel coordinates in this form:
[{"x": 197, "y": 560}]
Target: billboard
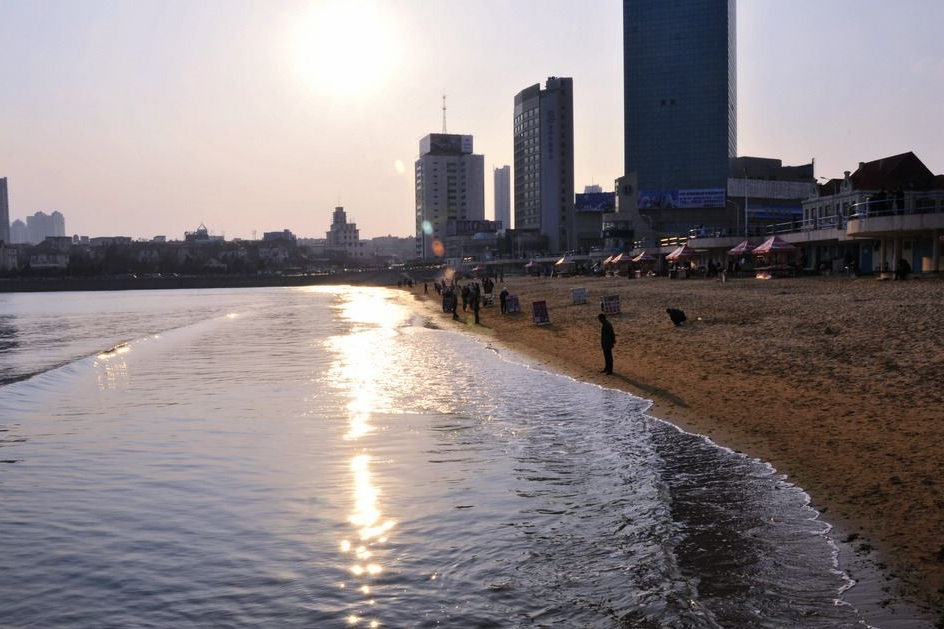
[
  {"x": 686, "y": 199},
  {"x": 461, "y": 227},
  {"x": 446, "y": 144},
  {"x": 596, "y": 202}
]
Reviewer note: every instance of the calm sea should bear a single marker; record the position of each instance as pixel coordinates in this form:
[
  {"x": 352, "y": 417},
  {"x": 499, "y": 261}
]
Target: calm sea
[{"x": 328, "y": 457}]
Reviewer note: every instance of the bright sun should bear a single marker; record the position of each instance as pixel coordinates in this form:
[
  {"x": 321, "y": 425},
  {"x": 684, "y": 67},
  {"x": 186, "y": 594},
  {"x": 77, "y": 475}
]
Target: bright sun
[{"x": 345, "y": 45}]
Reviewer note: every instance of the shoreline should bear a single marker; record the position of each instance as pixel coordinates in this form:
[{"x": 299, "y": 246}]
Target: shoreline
[{"x": 830, "y": 380}]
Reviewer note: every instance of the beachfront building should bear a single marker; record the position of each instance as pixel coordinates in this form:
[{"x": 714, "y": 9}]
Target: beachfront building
[
  {"x": 344, "y": 238},
  {"x": 888, "y": 211},
  {"x": 544, "y": 164},
  {"x": 502, "y": 191},
  {"x": 680, "y": 107},
  {"x": 885, "y": 217},
  {"x": 4, "y": 212},
  {"x": 450, "y": 185}
]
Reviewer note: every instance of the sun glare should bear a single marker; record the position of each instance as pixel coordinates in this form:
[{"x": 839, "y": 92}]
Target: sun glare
[{"x": 346, "y": 45}]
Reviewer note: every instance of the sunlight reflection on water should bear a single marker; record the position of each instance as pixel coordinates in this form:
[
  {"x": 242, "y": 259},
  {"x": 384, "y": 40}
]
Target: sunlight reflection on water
[{"x": 324, "y": 458}]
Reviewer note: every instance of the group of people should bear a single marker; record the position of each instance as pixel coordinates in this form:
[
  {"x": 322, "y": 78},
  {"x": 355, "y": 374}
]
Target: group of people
[{"x": 470, "y": 294}]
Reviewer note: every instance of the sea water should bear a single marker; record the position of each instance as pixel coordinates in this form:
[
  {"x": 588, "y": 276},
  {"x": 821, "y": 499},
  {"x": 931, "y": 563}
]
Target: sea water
[{"x": 332, "y": 457}]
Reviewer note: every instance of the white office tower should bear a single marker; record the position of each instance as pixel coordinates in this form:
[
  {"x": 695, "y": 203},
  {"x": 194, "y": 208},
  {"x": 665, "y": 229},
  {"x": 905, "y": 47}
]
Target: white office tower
[{"x": 450, "y": 186}]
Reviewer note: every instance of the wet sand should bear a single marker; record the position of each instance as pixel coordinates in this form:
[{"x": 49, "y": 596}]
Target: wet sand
[{"x": 836, "y": 381}]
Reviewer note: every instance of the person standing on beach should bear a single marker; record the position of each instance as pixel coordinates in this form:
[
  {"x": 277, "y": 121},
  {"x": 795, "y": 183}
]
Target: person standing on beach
[{"x": 607, "y": 341}]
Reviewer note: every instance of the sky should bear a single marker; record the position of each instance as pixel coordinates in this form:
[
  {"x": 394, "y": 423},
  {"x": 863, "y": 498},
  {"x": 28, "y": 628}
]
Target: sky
[{"x": 151, "y": 117}]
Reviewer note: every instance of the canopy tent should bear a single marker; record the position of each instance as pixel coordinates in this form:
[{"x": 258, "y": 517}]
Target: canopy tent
[
  {"x": 775, "y": 252},
  {"x": 645, "y": 256},
  {"x": 607, "y": 260},
  {"x": 622, "y": 258},
  {"x": 741, "y": 248},
  {"x": 774, "y": 244},
  {"x": 682, "y": 253}
]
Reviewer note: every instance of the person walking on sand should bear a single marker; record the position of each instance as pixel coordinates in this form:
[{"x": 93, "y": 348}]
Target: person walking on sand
[{"x": 607, "y": 341}]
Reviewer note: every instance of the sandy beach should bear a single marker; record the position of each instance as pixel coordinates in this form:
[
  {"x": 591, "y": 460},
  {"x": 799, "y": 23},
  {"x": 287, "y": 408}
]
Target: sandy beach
[{"x": 836, "y": 381}]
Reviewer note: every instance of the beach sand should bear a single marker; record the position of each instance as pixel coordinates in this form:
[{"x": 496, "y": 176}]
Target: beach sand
[{"x": 838, "y": 382}]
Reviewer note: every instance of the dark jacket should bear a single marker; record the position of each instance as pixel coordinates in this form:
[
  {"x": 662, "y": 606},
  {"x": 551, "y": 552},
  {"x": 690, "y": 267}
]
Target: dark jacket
[{"x": 607, "y": 335}]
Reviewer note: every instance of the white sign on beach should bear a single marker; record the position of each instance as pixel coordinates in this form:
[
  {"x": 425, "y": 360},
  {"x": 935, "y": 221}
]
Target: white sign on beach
[{"x": 579, "y": 295}]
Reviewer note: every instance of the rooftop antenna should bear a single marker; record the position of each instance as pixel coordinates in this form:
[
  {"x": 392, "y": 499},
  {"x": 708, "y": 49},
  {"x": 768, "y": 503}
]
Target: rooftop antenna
[{"x": 444, "y": 112}]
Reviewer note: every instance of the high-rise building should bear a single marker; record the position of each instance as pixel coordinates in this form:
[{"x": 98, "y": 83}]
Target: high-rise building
[
  {"x": 502, "y": 183},
  {"x": 41, "y": 226},
  {"x": 680, "y": 99},
  {"x": 544, "y": 162},
  {"x": 19, "y": 233},
  {"x": 4, "y": 212},
  {"x": 450, "y": 186}
]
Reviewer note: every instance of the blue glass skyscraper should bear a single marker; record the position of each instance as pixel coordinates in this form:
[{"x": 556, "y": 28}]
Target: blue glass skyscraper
[{"x": 680, "y": 93}]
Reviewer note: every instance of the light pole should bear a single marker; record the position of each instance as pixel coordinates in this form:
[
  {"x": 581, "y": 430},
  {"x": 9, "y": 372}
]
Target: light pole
[{"x": 745, "y": 203}]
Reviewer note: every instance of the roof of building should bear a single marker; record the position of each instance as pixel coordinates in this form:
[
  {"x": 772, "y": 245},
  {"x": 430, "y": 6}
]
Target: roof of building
[{"x": 903, "y": 171}]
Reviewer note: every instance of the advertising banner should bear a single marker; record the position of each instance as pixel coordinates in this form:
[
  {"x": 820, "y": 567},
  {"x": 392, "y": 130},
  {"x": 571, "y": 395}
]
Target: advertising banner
[
  {"x": 610, "y": 304},
  {"x": 596, "y": 202},
  {"x": 539, "y": 312},
  {"x": 579, "y": 295},
  {"x": 686, "y": 199}
]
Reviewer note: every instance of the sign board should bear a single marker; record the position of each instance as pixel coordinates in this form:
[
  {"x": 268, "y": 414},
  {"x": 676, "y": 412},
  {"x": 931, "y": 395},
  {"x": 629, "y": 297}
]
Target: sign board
[
  {"x": 596, "y": 202},
  {"x": 539, "y": 312},
  {"x": 512, "y": 305},
  {"x": 689, "y": 199},
  {"x": 610, "y": 304},
  {"x": 579, "y": 295}
]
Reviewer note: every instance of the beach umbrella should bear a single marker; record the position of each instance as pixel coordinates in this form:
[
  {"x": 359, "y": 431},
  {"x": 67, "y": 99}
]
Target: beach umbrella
[
  {"x": 741, "y": 248},
  {"x": 682, "y": 253},
  {"x": 774, "y": 244},
  {"x": 645, "y": 256},
  {"x": 607, "y": 261}
]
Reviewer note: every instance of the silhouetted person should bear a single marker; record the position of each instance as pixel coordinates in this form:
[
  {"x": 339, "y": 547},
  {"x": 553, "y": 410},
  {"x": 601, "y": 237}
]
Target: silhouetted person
[
  {"x": 903, "y": 270},
  {"x": 676, "y": 315},
  {"x": 607, "y": 341},
  {"x": 476, "y": 300}
]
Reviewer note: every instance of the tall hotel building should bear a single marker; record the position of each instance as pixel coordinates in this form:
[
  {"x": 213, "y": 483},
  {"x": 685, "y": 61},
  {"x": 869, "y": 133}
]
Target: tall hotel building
[
  {"x": 450, "y": 185},
  {"x": 4, "y": 212},
  {"x": 502, "y": 185},
  {"x": 544, "y": 162},
  {"x": 680, "y": 96}
]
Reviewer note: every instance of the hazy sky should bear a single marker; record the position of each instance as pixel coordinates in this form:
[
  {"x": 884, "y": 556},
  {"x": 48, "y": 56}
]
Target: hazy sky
[{"x": 147, "y": 117}]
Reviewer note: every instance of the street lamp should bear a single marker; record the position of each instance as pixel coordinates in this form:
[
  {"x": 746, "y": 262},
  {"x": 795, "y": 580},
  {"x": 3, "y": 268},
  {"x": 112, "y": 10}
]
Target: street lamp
[{"x": 737, "y": 214}]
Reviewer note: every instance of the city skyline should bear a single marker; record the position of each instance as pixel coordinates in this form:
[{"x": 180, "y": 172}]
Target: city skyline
[{"x": 148, "y": 118}]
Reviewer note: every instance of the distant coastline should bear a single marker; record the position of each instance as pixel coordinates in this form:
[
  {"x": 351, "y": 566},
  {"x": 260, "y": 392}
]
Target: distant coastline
[{"x": 384, "y": 277}]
